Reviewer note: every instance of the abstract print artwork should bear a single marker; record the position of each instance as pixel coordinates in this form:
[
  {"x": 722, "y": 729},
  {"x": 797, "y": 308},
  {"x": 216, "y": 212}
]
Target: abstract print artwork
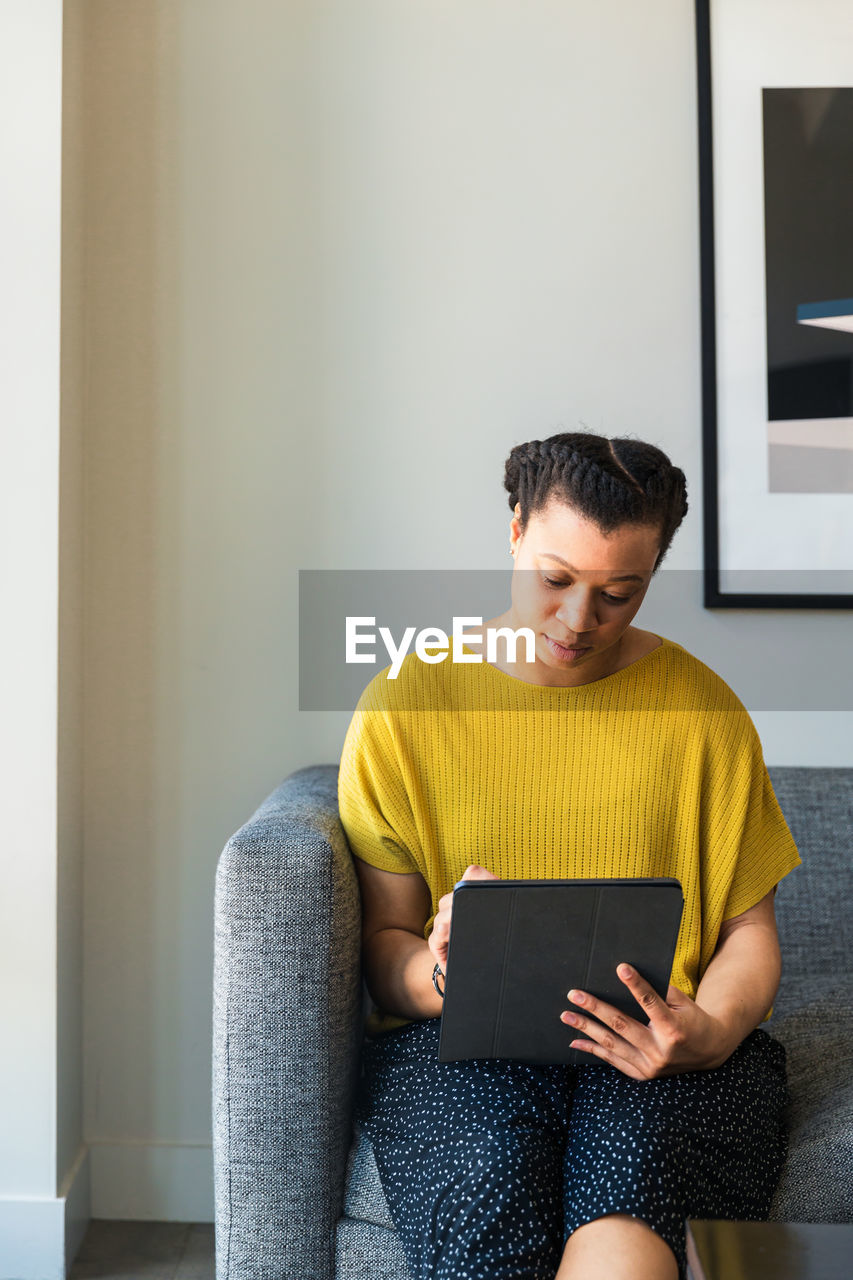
[{"x": 808, "y": 243}]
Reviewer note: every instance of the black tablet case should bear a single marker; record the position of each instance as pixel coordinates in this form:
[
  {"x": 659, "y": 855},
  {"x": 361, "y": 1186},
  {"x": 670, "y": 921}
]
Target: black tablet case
[{"x": 518, "y": 946}]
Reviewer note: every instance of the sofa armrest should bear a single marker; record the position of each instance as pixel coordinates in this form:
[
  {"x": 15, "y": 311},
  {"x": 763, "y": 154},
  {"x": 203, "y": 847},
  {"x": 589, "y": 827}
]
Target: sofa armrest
[
  {"x": 816, "y": 1181},
  {"x": 287, "y": 1028}
]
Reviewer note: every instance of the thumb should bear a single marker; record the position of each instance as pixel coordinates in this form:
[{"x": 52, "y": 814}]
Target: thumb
[
  {"x": 676, "y": 998},
  {"x": 476, "y": 872}
]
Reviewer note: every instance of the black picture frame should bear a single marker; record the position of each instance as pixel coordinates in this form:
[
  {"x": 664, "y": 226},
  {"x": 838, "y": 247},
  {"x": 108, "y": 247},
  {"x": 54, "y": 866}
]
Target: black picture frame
[{"x": 714, "y": 597}]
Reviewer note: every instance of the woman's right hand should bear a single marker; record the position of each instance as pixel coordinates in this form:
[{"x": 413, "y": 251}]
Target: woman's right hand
[{"x": 439, "y": 938}]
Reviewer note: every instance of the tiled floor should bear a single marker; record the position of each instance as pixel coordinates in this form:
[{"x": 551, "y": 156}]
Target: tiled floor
[{"x": 145, "y": 1251}]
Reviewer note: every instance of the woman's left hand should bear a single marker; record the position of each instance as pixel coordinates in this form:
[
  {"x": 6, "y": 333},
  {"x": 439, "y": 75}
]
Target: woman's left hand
[{"x": 680, "y": 1036}]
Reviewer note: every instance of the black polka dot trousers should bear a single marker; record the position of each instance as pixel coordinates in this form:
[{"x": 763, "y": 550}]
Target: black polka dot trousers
[{"x": 489, "y": 1165}]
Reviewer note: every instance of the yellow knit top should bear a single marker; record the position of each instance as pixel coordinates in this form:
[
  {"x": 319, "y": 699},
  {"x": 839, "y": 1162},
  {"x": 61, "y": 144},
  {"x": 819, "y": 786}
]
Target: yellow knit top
[{"x": 655, "y": 770}]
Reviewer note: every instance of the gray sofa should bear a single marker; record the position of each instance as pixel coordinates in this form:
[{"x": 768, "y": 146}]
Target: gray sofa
[{"x": 297, "y": 1195}]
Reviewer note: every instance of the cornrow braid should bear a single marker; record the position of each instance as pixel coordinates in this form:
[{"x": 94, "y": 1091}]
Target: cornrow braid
[{"x": 609, "y": 481}]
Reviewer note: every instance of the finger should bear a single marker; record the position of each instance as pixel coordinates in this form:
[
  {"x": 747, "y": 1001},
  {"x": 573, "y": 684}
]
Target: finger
[
  {"x": 611, "y": 1043},
  {"x": 625, "y": 1027},
  {"x": 476, "y": 872},
  {"x": 438, "y": 942},
  {"x": 441, "y": 925},
  {"x": 596, "y": 1051},
  {"x": 645, "y": 995}
]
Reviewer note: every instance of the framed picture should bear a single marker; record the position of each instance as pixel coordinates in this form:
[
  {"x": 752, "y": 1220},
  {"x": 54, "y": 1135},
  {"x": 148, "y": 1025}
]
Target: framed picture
[{"x": 775, "y": 99}]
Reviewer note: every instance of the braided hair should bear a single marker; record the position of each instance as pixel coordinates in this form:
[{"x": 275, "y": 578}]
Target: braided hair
[{"x": 610, "y": 482}]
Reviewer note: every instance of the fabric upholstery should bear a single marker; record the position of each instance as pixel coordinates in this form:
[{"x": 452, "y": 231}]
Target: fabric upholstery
[
  {"x": 817, "y": 1180},
  {"x": 815, "y": 923},
  {"x": 297, "y": 1194},
  {"x": 368, "y": 1252},
  {"x": 365, "y": 1199},
  {"x": 813, "y": 1012},
  {"x": 287, "y": 1027}
]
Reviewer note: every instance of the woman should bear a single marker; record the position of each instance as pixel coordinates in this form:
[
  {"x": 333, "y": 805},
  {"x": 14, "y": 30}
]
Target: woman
[{"x": 608, "y": 751}]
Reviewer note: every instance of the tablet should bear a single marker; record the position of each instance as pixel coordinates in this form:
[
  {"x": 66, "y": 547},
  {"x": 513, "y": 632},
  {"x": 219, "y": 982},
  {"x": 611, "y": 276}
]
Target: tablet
[{"x": 518, "y": 946}]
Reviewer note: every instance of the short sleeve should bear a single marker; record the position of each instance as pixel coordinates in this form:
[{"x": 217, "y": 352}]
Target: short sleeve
[
  {"x": 374, "y": 806},
  {"x": 766, "y": 850},
  {"x": 755, "y": 848}
]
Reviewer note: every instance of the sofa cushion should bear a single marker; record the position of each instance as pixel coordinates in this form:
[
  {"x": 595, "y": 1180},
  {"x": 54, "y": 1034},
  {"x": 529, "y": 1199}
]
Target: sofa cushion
[
  {"x": 365, "y": 1251},
  {"x": 364, "y": 1198}
]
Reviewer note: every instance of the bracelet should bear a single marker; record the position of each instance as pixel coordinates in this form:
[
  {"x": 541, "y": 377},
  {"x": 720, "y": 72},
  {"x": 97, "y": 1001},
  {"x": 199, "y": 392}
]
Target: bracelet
[{"x": 435, "y": 976}]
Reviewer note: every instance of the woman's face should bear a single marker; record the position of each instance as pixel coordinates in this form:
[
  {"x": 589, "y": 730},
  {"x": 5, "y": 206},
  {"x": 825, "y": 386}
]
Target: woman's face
[{"x": 578, "y": 590}]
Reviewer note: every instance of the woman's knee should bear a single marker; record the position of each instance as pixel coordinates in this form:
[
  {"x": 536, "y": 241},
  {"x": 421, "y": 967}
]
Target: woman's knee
[{"x": 627, "y": 1247}]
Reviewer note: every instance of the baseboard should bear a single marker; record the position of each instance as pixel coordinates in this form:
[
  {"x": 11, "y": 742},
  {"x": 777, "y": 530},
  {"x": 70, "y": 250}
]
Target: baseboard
[
  {"x": 152, "y": 1181},
  {"x": 76, "y": 1194},
  {"x": 40, "y": 1237},
  {"x": 145, "y": 1181}
]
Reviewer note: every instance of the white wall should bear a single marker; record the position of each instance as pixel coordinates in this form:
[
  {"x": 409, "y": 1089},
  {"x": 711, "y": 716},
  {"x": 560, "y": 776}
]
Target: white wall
[
  {"x": 40, "y": 1022},
  {"x": 326, "y": 263},
  {"x": 72, "y": 1156}
]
